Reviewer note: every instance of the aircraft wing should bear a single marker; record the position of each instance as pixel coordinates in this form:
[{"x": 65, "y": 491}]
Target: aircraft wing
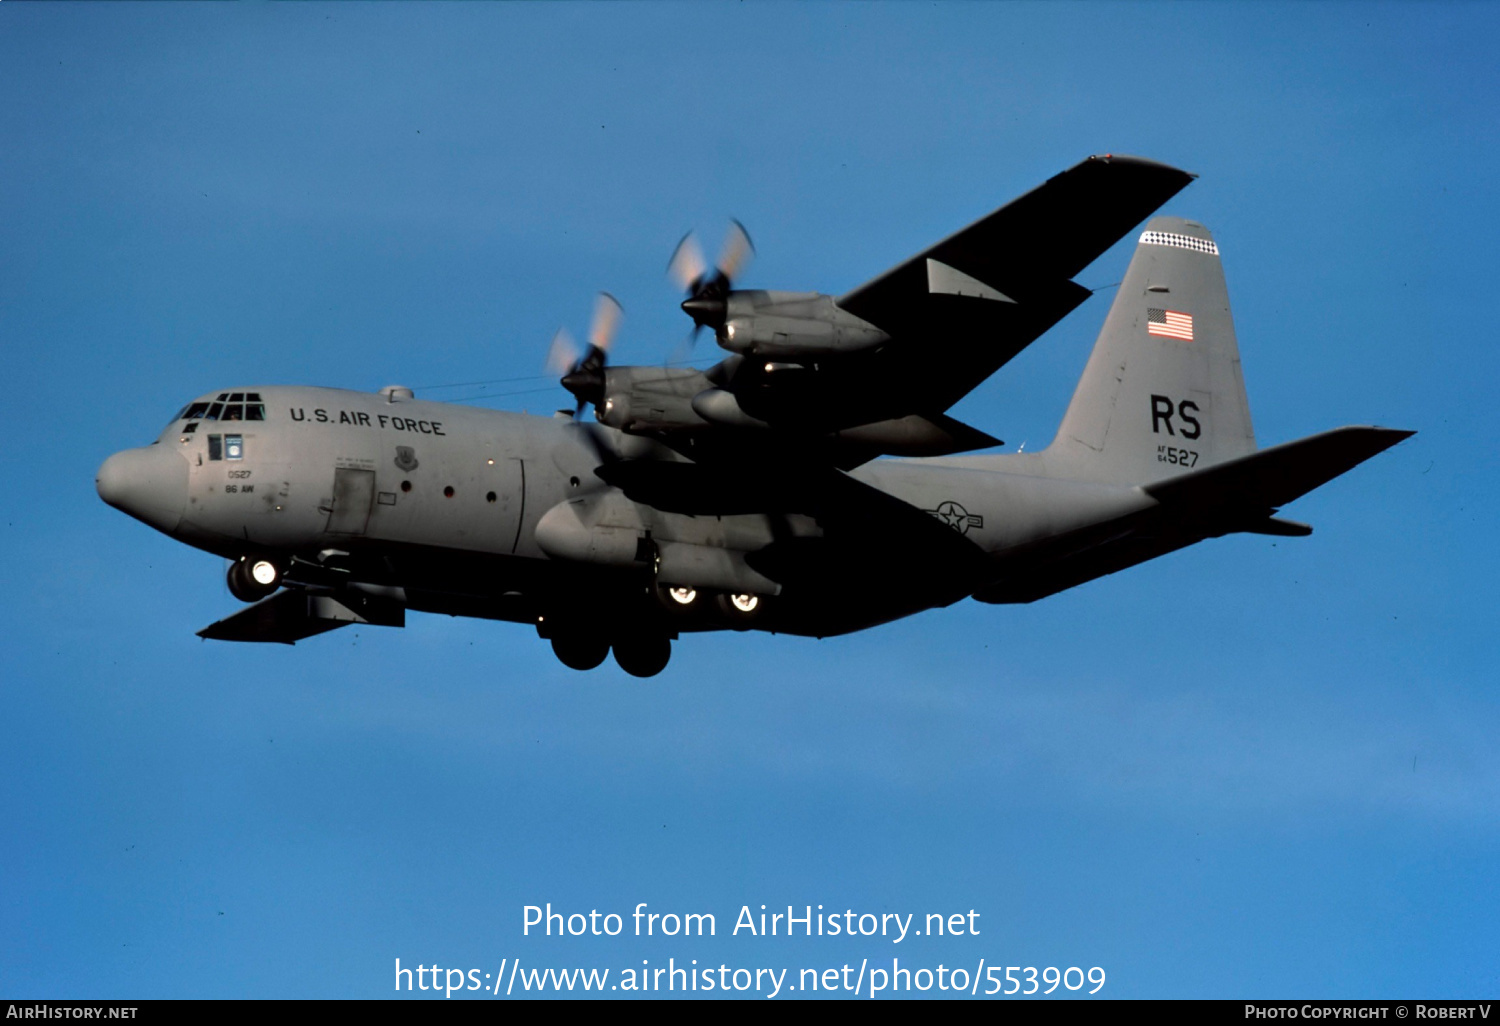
[
  {"x": 944, "y": 320},
  {"x": 962, "y": 308}
]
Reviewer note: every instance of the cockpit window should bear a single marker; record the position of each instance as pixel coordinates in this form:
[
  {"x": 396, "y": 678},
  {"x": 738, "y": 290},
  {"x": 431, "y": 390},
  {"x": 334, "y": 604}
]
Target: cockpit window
[{"x": 231, "y": 406}]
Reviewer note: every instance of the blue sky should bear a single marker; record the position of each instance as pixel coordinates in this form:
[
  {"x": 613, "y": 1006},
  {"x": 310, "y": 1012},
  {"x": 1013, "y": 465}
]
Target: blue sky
[{"x": 1256, "y": 767}]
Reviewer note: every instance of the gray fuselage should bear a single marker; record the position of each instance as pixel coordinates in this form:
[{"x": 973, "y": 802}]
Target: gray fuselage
[{"x": 459, "y": 509}]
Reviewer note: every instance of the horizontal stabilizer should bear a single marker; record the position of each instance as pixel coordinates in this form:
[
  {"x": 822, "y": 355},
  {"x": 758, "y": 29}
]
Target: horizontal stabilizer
[
  {"x": 1270, "y": 478},
  {"x": 289, "y": 616},
  {"x": 1239, "y": 495}
]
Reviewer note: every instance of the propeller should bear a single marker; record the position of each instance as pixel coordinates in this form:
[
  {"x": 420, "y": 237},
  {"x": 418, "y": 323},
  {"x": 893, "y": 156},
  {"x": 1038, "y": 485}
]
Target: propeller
[
  {"x": 708, "y": 291},
  {"x": 584, "y": 375}
]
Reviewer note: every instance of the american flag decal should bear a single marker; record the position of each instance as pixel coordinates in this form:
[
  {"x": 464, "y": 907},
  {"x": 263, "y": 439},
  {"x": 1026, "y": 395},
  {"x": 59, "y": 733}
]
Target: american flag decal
[{"x": 1169, "y": 324}]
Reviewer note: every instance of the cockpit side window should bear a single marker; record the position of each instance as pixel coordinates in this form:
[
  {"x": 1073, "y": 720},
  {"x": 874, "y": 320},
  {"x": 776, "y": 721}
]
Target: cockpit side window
[
  {"x": 226, "y": 447},
  {"x": 196, "y": 411},
  {"x": 213, "y": 411}
]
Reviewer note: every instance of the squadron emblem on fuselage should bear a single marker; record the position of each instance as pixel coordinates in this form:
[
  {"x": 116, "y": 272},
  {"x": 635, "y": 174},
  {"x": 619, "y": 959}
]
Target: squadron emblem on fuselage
[{"x": 406, "y": 458}]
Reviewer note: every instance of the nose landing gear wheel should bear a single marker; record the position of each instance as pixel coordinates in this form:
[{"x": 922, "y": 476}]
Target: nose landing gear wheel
[
  {"x": 643, "y": 655},
  {"x": 251, "y": 579},
  {"x": 580, "y": 653}
]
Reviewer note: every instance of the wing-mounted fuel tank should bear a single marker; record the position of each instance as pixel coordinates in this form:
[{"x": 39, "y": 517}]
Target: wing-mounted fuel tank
[{"x": 802, "y": 326}]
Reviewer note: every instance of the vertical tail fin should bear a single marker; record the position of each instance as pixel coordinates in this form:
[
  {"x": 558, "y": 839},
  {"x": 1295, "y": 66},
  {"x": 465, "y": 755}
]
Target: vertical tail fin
[{"x": 1162, "y": 391}]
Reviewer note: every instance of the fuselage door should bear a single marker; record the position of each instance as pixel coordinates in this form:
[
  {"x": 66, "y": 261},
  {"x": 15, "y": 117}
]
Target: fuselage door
[{"x": 353, "y": 493}]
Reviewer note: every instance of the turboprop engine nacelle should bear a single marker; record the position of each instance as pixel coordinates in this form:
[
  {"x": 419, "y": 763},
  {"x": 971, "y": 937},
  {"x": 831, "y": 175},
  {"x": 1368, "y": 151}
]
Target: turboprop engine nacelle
[
  {"x": 793, "y": 325},
  {"x": 645, "y": 399}
]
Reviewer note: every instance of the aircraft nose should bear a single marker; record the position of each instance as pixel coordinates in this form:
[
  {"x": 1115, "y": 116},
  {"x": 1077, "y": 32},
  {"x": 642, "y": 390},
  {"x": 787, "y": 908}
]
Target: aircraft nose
[{"x": 150, "y": 484}]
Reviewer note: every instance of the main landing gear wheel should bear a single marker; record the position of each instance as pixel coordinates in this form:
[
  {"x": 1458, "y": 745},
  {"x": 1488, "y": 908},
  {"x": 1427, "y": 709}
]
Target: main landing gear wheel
[
  {"x": 643, "y": 655},
  {"x": 251, "y": 579},
  {"x": 580, "y": 652},
  {"x": 677, "y": 599},
  {"x": 741, "y": 610}
]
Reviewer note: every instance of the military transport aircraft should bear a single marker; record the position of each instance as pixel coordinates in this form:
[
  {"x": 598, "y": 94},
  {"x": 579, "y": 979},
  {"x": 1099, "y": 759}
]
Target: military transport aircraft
[{"x": 747, "y": 495}]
